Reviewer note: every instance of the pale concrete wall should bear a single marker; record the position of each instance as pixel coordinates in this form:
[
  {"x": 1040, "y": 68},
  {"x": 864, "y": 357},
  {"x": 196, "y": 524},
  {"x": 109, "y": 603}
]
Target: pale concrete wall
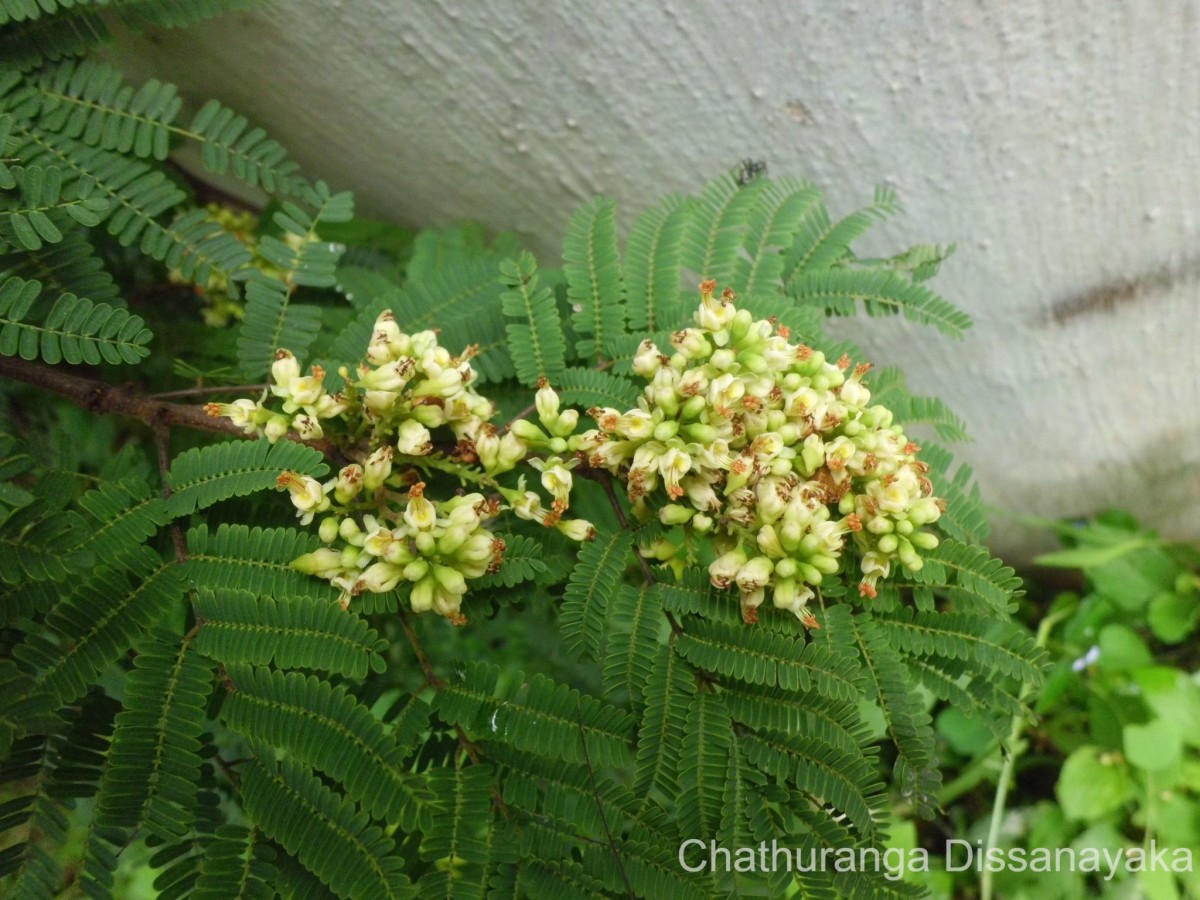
[{"x": 1058, "y": 143}]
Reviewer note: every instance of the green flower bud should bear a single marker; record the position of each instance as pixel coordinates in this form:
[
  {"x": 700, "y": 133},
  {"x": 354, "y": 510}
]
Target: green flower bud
[
  {"x": 880, "y": 525},
  {"x": 824, "y": 564},
  {"x": 450, "y": 579},
  {"x": 546, "y": 403},
  {"x": 666, "y": 430},
  {"x": 421, "y": 598},
  {"x": 924, "y": 540},
  {"x": 284, "y": 370},
  {"x": 328, "y": 530},
  {"x": 786, "y": 568},
  {"x": 675, "y": 514},
  {"x": 350, "y": 532},
  {"x": 755, "y": 573},
  {"x": 452, "y": 538},
  {"x": 416, "y": 570},
  {"x": 512, "y": 451},
  {"x": 324, "y": 563},
  {"x": 528, "y": 432},
  {"x": 487, "y": 448},
  {"x": 809, "y": 573},
  {"x": 567, "y": 422},
  {"x": 276, "y": 427},
  {"x": 693, "y": 407}
]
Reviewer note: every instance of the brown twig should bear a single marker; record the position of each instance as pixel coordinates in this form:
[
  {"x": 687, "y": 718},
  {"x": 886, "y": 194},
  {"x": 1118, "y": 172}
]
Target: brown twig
[
  {"x": 431, "y": 677},
  {"x": 605, "y": 479},
  {"x": 98, "y": 397},
  {"x": 209, "y": 389}
]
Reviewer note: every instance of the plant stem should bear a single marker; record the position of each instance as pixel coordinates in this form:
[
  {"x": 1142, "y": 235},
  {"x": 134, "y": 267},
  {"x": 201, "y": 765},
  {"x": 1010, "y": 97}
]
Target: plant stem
[
  {"x": 1011, "y": 751},
  {"x": 98, "y": 397}
]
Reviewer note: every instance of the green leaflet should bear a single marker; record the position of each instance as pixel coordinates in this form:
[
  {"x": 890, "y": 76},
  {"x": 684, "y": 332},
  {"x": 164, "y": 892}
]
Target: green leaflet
[
  {"x": 295, "y": 632},
  {"x": 153, "y": 768},
  {"x": 74, "y": 330},
  {"x": 540, "y": 716},
  {"x": 595, "y": 288},
  {"x": 338, "y": 843},
  {"x": 593, "y": 580},
  {"x": 207, "y": 475},
  {"x": 257, "y": 560},
  {"x": 535, "y": 335},
  {"x": 324, "y": 727}
]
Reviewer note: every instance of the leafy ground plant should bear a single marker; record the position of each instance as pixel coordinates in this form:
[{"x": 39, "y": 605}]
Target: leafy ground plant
[
  {"x": 1111, "y": 761},
  {"x": 588, "y": 562}
]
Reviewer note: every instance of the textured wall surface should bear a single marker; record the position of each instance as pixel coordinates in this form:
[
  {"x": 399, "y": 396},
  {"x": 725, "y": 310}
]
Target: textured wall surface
[{"x": 1058, "y": 144}]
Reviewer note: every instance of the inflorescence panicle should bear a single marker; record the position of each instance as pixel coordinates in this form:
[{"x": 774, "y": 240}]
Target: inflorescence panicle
[
  {"x": 763, "y": 445},
  {"x": 380, "y": 527},
  {"x": 772, "y": 451}
]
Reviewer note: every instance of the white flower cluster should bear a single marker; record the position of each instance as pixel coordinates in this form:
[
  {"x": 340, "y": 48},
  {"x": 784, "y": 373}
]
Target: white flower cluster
[
  {"x": 774, "y": 452},
  {"x": 379, "y": 537},
  {"x": 436, "y": 546},
  {"x": 407, "y": 385}
]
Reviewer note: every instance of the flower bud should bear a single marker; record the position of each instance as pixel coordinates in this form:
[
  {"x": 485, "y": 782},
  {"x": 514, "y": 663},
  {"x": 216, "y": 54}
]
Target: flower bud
[
  {"x": 512, "y": 451},
  {"x": 924, "y": 540},
  {"x": 450, "y": 579},
  {"x": 675, "y": 514},
  {"x": 276, "y": 428},
  {"x": 284, "y": 370},
  {"x": 378, "y": 578},
  {"x": 692, "y": 343},
  {"x": 660, "y": 549},
  {"x": 351, "y": 533},
  {"x": 323, "y": 563},
  {"x": 416, "y": 570},
  {"x": 452, "y": 538},
  {"x": 754, "y": 574},
  {"x": 385, "y": 340},
  {"x": 567, "y": 422},
  {"x": 769, "y": 543},
  {"x": 413, "y": 438},
  {"x": 724, "y": 569},
  {"x": 391, "y": 377},
  {"x": 647, "y": 360},
  {"x": 328, "y": 530},
  {"x": 527, "y": 431},
  {"x": 349, "y": 483},
  {"x": 546, "y": 403},
  {"x": 377, "y": 468},
  {"x": 577, "y": 529},
  {"x": 487, "y": 448},
  {"x": 421, "y": 598}
]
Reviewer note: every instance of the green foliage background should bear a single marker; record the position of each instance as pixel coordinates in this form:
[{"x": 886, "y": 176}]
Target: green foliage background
[{"x": 174, "y": 697}]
